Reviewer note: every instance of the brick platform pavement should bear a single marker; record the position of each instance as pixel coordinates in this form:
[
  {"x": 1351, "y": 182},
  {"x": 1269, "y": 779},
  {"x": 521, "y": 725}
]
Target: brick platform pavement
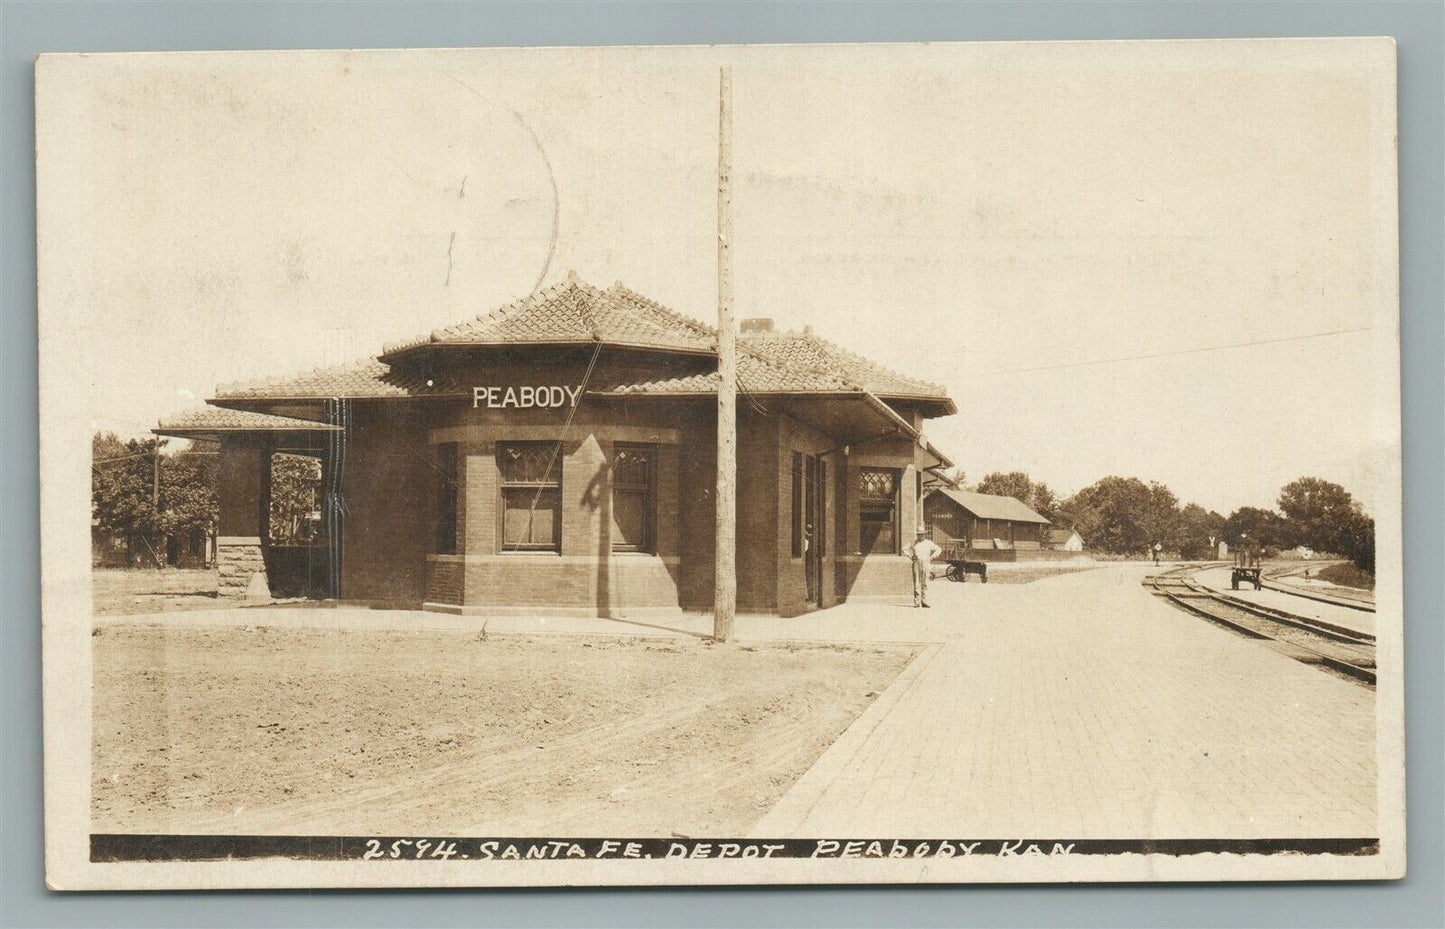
[{"x": 1082, "y": 707}]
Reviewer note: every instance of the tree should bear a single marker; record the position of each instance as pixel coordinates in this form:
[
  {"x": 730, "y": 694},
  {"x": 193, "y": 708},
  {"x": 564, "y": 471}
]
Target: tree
[
  {"x": 1318, "y": 510},
  {"x": 1161, "y": 516},
  {"x": 295, "y": 496},
  {"x": 1007, "y": 484},
  {"x": 121, "y": 490},
  {"x": 1111, "y": 513},
  {"x": 144, "y": 495},
  {"x": 1197, "y": 526},
  {"x": 1036, "y": 495},
  {"x": 1325, "y": 517},
  {"x": 1356, "y": 540},
  {"x": 1043, "y": 501},
  {"x": 1251, "y": 525},
  {"x": 188, "y": 486}
]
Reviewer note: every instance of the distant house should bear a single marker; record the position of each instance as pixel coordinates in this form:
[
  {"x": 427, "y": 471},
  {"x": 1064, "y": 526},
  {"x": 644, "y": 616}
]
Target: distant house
[
  {"x": 113, "y": 549},
  {"x": 986, "y": 521},
  {"x": 1063, "y": 540}
]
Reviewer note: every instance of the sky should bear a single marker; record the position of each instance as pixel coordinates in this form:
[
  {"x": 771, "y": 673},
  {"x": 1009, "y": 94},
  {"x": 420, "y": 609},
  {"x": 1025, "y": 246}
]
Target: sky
[{"x": 1165, "y": 260}]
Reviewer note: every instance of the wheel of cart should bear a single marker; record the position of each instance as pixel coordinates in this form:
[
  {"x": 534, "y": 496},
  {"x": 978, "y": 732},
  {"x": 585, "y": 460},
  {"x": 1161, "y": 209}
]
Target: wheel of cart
[{"x": 955, "y": 553}]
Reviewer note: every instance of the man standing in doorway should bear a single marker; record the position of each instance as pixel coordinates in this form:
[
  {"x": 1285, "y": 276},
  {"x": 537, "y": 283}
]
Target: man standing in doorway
[{"x": 923, "y": 550}]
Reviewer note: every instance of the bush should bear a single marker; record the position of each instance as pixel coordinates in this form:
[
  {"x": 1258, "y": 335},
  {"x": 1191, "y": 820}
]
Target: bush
[
  {"x": 1355, "y": 539},
  {"x": 1347, "y": 575}
]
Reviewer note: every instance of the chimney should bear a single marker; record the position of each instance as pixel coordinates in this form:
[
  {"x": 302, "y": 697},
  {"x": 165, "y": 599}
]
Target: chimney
[{"x": 756, "y": 324}]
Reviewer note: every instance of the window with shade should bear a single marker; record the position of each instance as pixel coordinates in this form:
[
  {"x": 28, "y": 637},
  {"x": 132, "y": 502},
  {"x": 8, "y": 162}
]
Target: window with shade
[
  {"x": 634, "y": 489},
  {"x": 446, "y": 478},
  {"x": 531, "y": 475},
  {"x": 878, "y": 511}
]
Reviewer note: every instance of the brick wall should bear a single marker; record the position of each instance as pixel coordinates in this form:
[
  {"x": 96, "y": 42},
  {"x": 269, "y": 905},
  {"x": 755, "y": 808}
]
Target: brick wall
[
  {"x": 445, "y": 574},
  {"x": 585, "y": 574},
  {"x": 881, "y": 578},
  {"x": 390, "y": 498},
  {"x": 792, "y": 582},
  {"x": 391, "y": 492},
  {"x": 877, "y": 577},
  {"x": 542, "y": 583},
  {"x": 241, "y": 479},
  {"x": 758, "y": 512},
  {"x": 241, "y": 493},
  {"x": 695, "y": 504}
]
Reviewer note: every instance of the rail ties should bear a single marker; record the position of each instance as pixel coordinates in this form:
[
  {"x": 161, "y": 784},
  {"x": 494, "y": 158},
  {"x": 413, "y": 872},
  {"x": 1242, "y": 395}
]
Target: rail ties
[
  {"x": 1348, "y": 652},
  {"x": 1277, "y": 581}
]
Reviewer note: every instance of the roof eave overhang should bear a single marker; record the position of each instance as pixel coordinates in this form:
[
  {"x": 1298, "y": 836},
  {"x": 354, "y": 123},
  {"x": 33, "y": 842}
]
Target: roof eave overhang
[
  {"x": 943, "y": 461},
  {"x": 243, "y": 403},
  {"x": 937, "y": 406},
  {"x": 893, "y": 423},
  {"x": 217, "y": 432},
  {"x": 705, "y": 394}
]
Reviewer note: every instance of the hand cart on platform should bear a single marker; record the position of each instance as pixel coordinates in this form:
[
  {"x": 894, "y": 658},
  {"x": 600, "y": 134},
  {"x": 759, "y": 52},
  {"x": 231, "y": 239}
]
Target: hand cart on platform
[
  {"x": 1246, "y": 569},
  {"x": 955, "y": 555}
]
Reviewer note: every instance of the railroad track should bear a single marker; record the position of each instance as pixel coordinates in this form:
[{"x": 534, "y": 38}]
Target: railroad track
[
  {"x": 1341, "y": 650},
  {"x": 1362, "y": 601}
]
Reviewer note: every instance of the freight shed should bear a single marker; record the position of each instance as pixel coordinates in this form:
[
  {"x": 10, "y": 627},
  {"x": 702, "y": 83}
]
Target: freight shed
[
  {"x": 987, "y": 522},
  {"x": 558, "y": 456}
]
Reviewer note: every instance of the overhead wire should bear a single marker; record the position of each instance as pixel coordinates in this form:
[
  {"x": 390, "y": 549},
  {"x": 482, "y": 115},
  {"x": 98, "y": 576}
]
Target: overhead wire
[{"x": 1173, "y": 353}]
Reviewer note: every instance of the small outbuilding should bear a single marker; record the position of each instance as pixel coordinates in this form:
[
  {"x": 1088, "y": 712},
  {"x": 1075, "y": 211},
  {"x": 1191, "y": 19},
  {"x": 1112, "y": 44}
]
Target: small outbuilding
[
  {"x": 984, "y": 521},
  {"x": 1063, "y": 540}
]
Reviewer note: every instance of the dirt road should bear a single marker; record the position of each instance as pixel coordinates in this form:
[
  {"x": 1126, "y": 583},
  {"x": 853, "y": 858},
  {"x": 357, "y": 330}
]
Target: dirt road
[{"x": 310, "y": 731}]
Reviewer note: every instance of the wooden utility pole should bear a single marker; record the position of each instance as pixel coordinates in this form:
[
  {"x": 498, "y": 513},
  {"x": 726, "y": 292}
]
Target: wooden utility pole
[
  {"x": 725, "y": 589},
  {"x": 156, "y": 493}
]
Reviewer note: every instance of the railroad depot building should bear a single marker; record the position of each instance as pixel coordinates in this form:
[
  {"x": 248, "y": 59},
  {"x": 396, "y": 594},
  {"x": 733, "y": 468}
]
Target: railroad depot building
[{"x": 558, "y": 455}]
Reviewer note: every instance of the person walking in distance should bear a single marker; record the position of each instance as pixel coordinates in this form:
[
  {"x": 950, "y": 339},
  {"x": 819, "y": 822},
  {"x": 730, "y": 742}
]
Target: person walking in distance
[
  {"x": 923, "y": 551},
  {"x": 1157, "y": 549}
]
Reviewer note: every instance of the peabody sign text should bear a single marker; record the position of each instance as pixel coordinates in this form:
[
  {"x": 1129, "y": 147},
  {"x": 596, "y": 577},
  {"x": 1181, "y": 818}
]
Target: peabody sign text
[{"x": 524, "y": 398}]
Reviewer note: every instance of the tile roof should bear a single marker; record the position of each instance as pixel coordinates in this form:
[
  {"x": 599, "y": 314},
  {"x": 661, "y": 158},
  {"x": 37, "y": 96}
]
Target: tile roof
[
  {"x": 992, "y": 506},
  {"x": 572, "y": 311},
  {"x": 218, "y": 419},
  {"x": 756, "y": 374},
  {"x": 575, "y": 311},
  {"x": 806, "y": 350},
  {"x": 367, "y": 378}
]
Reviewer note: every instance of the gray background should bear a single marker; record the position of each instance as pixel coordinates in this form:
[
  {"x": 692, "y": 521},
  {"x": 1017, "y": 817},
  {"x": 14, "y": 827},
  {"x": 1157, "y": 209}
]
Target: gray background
[{"x": 29, "y": 28}]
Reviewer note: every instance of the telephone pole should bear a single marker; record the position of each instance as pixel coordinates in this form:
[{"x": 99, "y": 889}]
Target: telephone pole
[
  {"x": 156, "y": 494},
  {"x": 725, "y": 589}
]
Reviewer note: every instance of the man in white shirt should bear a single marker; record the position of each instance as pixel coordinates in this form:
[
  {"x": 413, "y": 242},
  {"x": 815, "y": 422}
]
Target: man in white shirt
[{"x": 923, "y": 551}]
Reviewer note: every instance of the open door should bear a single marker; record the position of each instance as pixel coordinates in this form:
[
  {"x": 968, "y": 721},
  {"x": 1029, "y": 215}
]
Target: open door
[{"x": 814, "y": 532}]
